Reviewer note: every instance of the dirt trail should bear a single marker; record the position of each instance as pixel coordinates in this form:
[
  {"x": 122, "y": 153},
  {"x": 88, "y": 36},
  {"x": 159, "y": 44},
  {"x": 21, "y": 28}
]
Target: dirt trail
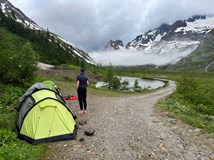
[{"x": 128, "y": 128}]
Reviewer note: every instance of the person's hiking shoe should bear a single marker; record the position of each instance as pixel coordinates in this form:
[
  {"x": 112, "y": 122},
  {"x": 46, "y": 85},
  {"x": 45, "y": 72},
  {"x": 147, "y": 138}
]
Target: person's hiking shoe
[
  {"x": 84, "y": 111},
  {"x": 81, "y": 112}
]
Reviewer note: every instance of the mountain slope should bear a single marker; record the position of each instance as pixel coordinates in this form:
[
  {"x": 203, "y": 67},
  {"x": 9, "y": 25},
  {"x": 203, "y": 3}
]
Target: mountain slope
[
  {"x": 61, "y": 51},
  {"x": 202, "y": 59},
  {"x": 10, "y": 11}
]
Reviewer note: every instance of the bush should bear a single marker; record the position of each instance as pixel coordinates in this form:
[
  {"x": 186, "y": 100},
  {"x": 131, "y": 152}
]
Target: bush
[
  {"x": 198, "y": 96},
  {"x": 115, "y": 83},
  {"x": 136, "y": 86},
  {"x": 124, "y": 85},
  {"x": 110, "y": 74},
  {"x": 17, "y": 66},
  {"x": 188, "y": 87}
]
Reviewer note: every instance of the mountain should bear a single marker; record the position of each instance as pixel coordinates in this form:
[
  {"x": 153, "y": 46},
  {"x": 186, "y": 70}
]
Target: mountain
[
  {"x": 201, "y": 59},
  {"x": 187, "y": 44},
  {"x": 181, "y": 34},
  {"x": 10, "y": 11},
  {"x": 114, "y": 45},
  {"x": 62, "y": 46}
]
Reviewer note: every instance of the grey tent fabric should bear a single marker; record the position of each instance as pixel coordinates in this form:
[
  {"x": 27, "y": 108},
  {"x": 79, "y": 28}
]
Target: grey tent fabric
[{"x": 34, "y": 87}]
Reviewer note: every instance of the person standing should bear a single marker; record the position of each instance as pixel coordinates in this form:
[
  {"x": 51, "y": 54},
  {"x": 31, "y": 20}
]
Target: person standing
[{"x": 81, "y": 86}]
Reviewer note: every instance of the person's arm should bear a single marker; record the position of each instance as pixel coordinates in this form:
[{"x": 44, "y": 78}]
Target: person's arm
[
  {"x": 87, "y": 82},
  {"x": 77, "y": 84}
]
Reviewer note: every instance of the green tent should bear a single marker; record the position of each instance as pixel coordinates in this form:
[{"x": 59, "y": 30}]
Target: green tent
[
  {"x": 44, "y": 117},
  {"x": 51, "y": 85}
]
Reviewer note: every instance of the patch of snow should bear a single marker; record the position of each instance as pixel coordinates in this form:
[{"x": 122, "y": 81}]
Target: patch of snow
[
  {"x": 44, "y": 66},
  {"x": 3, "y": 7},
  {"x": 199, "y": 26},
  {"x": 208, "y": 66},
  {"x": 152, "y": 32},
  {"x": 158, "y": 38},
  {"x": 65, "y": 41}
]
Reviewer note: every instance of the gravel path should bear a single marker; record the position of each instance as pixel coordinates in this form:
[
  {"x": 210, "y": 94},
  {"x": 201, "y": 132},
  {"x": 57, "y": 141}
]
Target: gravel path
[{"x": 128, "y": 128}]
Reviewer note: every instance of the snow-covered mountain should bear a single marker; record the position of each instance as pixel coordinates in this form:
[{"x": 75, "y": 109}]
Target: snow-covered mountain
[
  {"x": 10, "y": 11},
  {"x": 114, "y": 45},
  {"x": 180, "y": 36},
  {"x": 176, "y": 40}
]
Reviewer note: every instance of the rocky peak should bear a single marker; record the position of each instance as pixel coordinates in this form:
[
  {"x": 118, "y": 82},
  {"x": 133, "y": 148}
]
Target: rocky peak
[
  {"x": 196, "y": 17},
  {"x": 178, "y": 24},
  {"x": 114, "y": 45},
  {"x": 164, "y": 28}
]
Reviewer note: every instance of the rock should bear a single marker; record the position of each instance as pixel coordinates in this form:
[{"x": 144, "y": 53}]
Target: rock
[
  {"x": 197, "y": 130},
  {"x": 82, "y": 122},
  {"x": 89, "y": 131},
  {"x": 172, "y": 120},
  {"x": 81, "y": 139}
]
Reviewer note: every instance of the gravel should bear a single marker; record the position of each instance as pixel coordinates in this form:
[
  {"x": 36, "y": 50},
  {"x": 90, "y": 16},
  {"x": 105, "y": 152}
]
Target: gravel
[{"x": 128, "y": 128}]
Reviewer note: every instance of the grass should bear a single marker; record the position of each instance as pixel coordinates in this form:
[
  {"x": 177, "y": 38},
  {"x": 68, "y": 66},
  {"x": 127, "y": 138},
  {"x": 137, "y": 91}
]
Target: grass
[
  {"x": 184, "y": 113},
  {"x": 10, "y": 146},
  {"x": 192, "y": 102}
]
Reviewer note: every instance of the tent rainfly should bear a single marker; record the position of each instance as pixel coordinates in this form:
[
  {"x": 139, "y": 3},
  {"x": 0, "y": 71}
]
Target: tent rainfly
[{"x": 44, "y": 117}]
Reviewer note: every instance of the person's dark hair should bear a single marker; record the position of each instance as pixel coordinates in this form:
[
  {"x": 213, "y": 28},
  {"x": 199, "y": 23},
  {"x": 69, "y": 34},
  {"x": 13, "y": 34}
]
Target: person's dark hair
[{"x": 82, "y": 70}]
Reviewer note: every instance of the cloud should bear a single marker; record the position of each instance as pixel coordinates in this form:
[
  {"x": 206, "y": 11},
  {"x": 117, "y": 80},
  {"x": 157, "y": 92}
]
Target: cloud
[
  {"x": 135, "y": 58},
  {"x": 91, "y": 24}
]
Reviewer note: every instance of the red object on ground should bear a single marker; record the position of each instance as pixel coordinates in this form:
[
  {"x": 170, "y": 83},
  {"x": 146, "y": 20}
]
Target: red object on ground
[{"x": 70, "y": 98}]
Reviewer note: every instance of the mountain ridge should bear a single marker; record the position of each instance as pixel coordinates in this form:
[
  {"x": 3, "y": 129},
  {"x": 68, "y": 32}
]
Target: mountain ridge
[
  {"x": 188, "y": 39},
  {"x": 179, "y": 30},
  {"x": 17, "y": 15}
]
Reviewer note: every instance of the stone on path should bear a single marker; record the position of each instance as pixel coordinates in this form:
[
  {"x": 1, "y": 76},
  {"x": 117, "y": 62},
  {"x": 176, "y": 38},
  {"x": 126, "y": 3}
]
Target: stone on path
[{"x": 89, "y": 131}]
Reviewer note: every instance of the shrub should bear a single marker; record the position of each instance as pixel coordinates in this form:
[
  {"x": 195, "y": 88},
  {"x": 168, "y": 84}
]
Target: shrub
[
  {"x": 136, "y": 86},
  {"x": 124, "y": 85},
  {"x": 110, "y": 74},
  {"x": 17, "y": 66},
  {"x": 198, "y": 96},
  {"x": 115, "y": 83}
]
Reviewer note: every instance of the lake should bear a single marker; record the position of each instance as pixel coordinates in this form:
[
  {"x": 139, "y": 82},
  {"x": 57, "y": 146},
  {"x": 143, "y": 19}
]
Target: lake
[{"x": 144, "y": 83}]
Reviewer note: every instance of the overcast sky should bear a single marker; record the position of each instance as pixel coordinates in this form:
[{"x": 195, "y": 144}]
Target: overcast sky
[{"x": 90, "y": 24}]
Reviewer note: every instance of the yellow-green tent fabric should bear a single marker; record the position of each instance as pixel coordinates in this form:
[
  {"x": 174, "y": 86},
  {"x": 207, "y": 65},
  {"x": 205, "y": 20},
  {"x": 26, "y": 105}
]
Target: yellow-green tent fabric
[{"x": 44, "y": 117}]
